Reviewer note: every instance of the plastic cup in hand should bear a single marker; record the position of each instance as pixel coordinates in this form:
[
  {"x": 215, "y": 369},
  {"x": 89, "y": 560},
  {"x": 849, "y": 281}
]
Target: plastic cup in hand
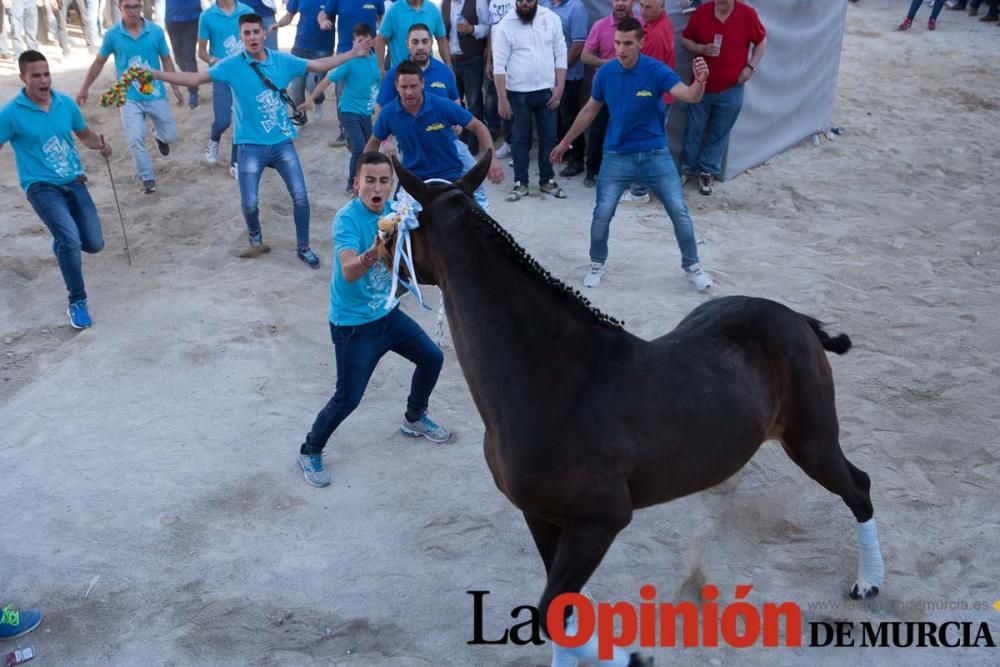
[{"x": 717, "y": 45}]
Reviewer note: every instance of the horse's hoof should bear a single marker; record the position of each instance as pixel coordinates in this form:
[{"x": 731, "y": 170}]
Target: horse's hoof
[
  {"x": 863, "y": 591},
  {"x": 636, "y": 660}
]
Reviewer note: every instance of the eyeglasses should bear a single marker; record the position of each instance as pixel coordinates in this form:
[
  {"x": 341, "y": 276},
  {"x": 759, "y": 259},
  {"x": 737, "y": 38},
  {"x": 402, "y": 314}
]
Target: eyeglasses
[{"x": 132, "y": 8}]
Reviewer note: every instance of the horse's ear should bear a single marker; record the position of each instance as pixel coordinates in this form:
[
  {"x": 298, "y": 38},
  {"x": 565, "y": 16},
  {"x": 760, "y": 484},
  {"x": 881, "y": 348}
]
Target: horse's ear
[
  {"x": 474, "y": 177},
  {"x": 410, "y": 182}
]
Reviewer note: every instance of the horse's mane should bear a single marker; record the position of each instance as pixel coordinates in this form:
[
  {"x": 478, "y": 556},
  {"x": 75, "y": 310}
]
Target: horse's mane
[{"x": 492, "y": 230}]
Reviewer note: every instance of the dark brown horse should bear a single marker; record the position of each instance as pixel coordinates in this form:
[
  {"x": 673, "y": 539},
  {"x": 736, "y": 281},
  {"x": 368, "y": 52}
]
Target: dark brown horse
[{"x": 585, "y": 422}]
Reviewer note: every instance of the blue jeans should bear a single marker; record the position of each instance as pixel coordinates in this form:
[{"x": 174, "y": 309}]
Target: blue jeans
[
  {"x": 656, "y": 170},
  {"x": 638, "y": 189},
  {"x": 525, "y": 107},
  {"x": 282, "y": 158},
  {"x": 915, "y": 5},
  {"x": 358, "y": 129},
  {"x": 222, "y": 109},
  {"x": 300, "y": 84},
  {"x": 69, "y": 213},
  {"x": 358, "y": 350},
  {"x": 134, "y": 123},
  {"x": 469, "y": 74},
  {"x": 717, "y": 111}
]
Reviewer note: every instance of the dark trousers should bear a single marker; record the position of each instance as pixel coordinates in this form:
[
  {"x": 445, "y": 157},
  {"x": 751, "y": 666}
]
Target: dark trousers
[
  {"x": 499, "y": 128},
  {"x": 358, "y": 129},
  {"x": 569, "y": 107},
  {"x": 527, "y": 107},
  {"x": 358, "y": 350},
  {"x": 184, "y": 42},
  {"x": 595, "y": 140},
  {"x": 469, "y": 74}
]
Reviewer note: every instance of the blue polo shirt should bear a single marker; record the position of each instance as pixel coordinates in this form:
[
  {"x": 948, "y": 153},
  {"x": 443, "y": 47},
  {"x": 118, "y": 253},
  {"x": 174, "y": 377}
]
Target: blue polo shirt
[
  {"x": 308, "y": 34},
  {"x": 438, "y": 79},
  {"x": 261, "y": 114},
  {"x": 425, "y": 140},
  {"x": 575, "y": 26},
  {"x": 398, "y": 20},
  {"x": 635, "y": 102},
  {"x": 143, "y": 51},
  {"x": 262, "y": 8},
  {"x": 362, "y": 301},
  {"x": 349, "y": 13},
  {"x": 43, "y": 144},
  {"x": 360, "y": 77},
  {"x": 179, "y": 11},
  {"x": 222, "y": 30}
]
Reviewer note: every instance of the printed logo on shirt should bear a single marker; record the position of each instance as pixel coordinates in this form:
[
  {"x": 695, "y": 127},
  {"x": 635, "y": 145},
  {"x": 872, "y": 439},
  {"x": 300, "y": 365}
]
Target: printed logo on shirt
[
  {"x": 379, "y": 285},
  {"x": 434, "y": 127},
  {"x": 368, "y": 6},
  {"x": 61, "y": 157},
  {"x": 272, "y": 113},
  {"x": 438, "y": 84},
  {"x": 643, "y": 93},
  {"x": 232, "y": 45}
]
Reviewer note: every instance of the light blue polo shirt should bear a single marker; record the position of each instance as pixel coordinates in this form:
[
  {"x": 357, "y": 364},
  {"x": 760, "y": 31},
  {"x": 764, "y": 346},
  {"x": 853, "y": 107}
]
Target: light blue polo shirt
[
  {"x": 635, "y": 102},
  {"x": 438, "y": 79},
  {"x": 42, "y": 141},
  {"x": 362, "y": 301},
  {"x": 349, "y": 13},
  {"x": 143, "y": 51},
  {"x": 222, "y": 30},
  {"x": 575, "y": 27},
  {"x": 398, "y": 20},
  {"x": 360, "y": 77},
  {"x": 261, "y": 114},
  {"x": 425, "y": 140}
]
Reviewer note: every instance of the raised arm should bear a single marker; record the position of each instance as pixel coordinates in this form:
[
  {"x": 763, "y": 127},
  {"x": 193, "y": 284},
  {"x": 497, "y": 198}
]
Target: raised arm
[
  {"x": 323, "y": 65},
  {"x": 692, "y": 94},
  {"x": 187, "y": 79}
]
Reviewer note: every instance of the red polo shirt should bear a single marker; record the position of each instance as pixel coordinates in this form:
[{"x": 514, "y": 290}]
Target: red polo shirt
[
  {"x": 658, "y": 43},
  {"x": 739, "y": 31}
]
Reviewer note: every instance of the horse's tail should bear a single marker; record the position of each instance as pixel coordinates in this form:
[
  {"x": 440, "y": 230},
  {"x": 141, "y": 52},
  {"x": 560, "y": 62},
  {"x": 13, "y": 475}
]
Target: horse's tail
[{"x": 837, "y": 344}]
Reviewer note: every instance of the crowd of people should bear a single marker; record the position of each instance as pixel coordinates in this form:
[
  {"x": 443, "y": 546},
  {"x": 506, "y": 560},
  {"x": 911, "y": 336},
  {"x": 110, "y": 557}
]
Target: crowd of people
[{"x": 507, "y": 73}]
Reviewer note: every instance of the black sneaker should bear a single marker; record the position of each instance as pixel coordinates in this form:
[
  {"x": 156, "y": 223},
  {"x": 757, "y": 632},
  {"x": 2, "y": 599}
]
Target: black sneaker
[
  {"x": 571, "y": 169},
  {"x": 590, "y": 180},
  {"x": 308, "y": 257},
  {"x": 705, "y": 183},
  {"x": 149, "y": 187},
  {"x": 164, "y": 147}
]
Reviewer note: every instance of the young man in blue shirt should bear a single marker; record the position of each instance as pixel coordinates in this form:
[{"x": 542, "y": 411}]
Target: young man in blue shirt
[
  {"x": 137, "y": 42},
  {"x": 38, "y": 123},
  {"x": 311, "y": 42},
  {"x": 365, "y": 325},
  {"x": 422, "y": 127},
  {"x": 356, "y": 101},
  {"x": 219, "y": 37},
  {"x": 258, "y": 78},
  {"x": 635, "y": 146}
]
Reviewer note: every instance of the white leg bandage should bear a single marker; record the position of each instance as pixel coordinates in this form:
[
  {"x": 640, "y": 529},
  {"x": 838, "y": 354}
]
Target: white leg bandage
[{"x": 871, "y": 569}]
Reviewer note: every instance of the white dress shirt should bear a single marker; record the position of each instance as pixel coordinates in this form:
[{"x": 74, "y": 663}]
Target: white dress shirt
[{"x": 529, "y": 53}]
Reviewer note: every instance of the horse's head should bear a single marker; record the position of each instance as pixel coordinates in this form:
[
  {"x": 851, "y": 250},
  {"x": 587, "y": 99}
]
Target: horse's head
[{"x": 433, "y": 197}]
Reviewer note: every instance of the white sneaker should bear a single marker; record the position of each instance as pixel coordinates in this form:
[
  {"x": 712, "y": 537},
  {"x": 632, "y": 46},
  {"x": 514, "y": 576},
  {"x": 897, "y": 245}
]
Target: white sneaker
[
  {"x": 702, "y": 281},
  {"x": 629, "y": 198},
  {"x": 593, "y": 277},
  {"x": 212, "y": 152},
  {"x": 503, "y": 151},
  {"x": 234, "y": 172}
]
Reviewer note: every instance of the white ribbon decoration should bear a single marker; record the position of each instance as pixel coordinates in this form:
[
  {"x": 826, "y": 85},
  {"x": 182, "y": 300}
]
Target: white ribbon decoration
[{"x": 405, "y": 209}]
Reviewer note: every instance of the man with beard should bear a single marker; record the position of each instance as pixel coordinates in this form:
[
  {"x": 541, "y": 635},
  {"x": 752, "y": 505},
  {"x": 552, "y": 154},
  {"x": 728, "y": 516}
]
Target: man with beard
[
  {"x": 258, "y": 78},
  {"x": 631, "y": 86},
  {"x": 38, "y": 123},
  {"x": 529, "y": 66},
  {"x": 599, "y": 49},
  {"x": 363, "y": 327}
]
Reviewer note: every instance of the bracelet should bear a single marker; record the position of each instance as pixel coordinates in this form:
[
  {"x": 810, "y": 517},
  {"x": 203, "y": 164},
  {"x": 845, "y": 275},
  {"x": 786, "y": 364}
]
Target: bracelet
[
  {"x": 752, "y": 68},
  {"x": 563, "y": 143}
]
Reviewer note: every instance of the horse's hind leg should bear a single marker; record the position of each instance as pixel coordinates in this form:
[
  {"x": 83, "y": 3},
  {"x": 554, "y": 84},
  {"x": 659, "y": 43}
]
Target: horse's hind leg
[
  {"x": 818, "y": 453},
  {"x": 546, "y": 536}
]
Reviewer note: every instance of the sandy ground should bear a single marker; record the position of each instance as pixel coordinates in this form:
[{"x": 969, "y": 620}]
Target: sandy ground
[{"x": 150, "y": 499}]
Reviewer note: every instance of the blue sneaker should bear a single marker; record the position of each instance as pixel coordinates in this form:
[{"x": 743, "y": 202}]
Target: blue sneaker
[
  {"x": 314, "y": 470},
  {"x": 309, "y": 258},
  {"x": 425, "y": 427},
  {"x": 79, "y": 318},
  {"x": 16, "y": 623}
]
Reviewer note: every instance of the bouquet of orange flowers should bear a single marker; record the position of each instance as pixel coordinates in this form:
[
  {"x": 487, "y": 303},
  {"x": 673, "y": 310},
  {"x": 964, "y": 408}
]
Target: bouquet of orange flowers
[{"x": 115, "y": 96}]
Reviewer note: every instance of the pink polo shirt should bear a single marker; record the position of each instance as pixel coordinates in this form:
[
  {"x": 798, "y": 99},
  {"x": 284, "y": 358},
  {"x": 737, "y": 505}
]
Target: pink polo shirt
[{"x": 601, "y": 40}]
